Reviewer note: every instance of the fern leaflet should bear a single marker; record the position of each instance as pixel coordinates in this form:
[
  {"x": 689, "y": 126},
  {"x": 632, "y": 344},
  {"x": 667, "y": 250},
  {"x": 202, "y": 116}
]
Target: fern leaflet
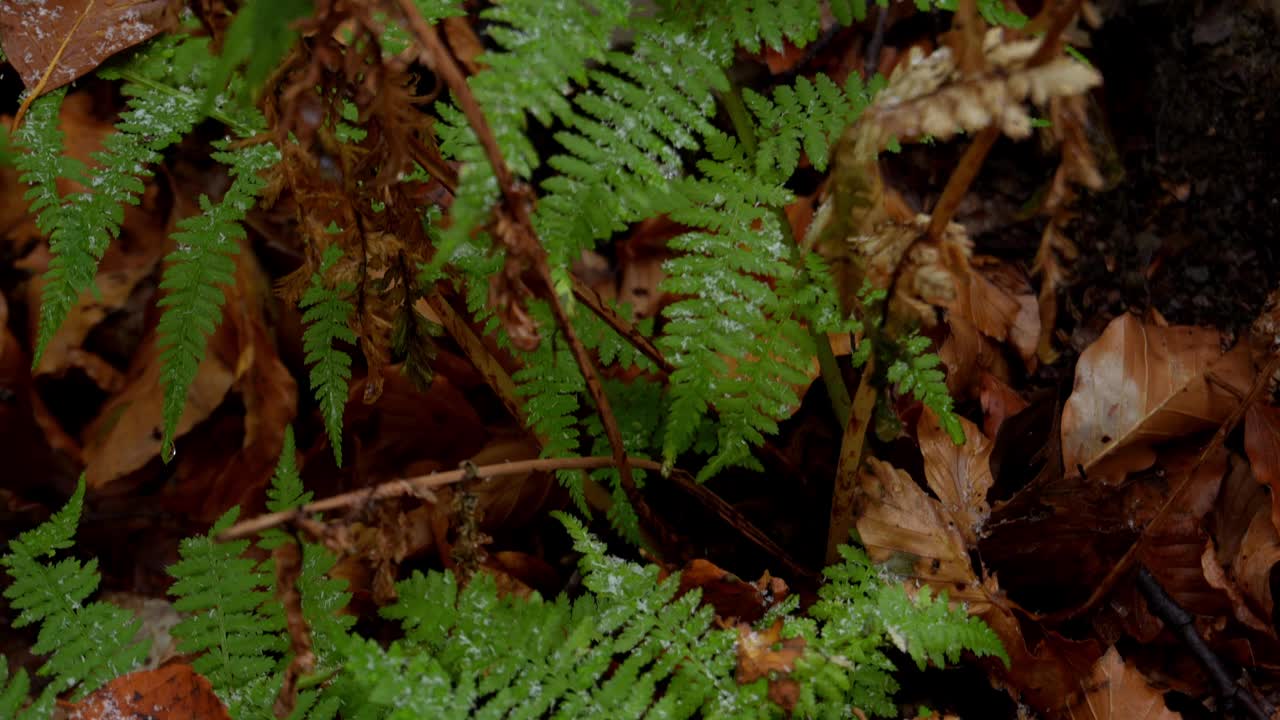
[
  {"x": 197, "y": 269},
  {"x": 88, "y": 643},
  {"x": 235, "y": 622},
  {"x": 917, "y": 373},
  {"x": 83, "y": 224},
  {"x": 327, "y": 316}
]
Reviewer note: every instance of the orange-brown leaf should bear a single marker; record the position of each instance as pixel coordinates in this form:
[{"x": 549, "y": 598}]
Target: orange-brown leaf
[
  {"x": 175, "y": 692},
  {"x": 33, "y": 33},
  {"x": 1116, "y": 690},
  {"x": 1140, "y": 384}
]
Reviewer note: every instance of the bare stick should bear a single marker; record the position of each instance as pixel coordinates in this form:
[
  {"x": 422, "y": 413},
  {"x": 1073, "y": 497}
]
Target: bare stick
[{"x": 420, "y": 485}]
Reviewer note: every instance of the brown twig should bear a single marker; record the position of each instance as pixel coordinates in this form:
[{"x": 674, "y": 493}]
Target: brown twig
[
  {"x": 421, "y": 486},
  {"x": 524, "y": 248},
  {"x": 620, "y": 325}
]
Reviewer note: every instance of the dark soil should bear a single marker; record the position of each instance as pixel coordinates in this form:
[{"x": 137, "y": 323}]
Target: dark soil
[{"x": 1192, "y": 96}]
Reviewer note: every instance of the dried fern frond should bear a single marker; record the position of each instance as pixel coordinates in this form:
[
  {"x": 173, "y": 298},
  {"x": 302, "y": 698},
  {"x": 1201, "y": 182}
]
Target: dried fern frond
[{"x": 929, "y": 95}]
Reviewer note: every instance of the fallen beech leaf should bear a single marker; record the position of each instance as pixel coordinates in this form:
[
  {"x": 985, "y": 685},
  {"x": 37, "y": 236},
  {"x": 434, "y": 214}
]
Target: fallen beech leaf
[
  {"x": 33, "y": 33},
  {"x": 174, "y": 692},
  {"x": 1172, "y": 545},
  {"x": 1262, "y": 445},
  {"x": 903, "y": 527},
  {"x": 1116, "y": 690},
  {"x": 960, "y": 475},
  {"x": 1138, "y": 385},
  {"x": 1245, "y": 547}
]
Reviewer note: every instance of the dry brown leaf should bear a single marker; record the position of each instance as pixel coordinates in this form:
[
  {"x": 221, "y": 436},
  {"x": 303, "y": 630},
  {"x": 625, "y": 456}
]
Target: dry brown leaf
[
  {"x": 1139, "y": 385},
  {"x": 929, "y": 95},
  {"x": 174, "y": 692},
  {"x": 1116, "y": 690},
  {"x": 999, "y": 401},
  {"x": 730, "y": 595},
  {"x": 33, "y": 34},
  {"x": 1262, "y": 445},
  {"x": 902, "y": 526},
  {"x": 126, "y": 434},
  {"x": 1245, "y": 547},
  {"x": 960, "y": 475},
  {"x": 913, "y": 536}
]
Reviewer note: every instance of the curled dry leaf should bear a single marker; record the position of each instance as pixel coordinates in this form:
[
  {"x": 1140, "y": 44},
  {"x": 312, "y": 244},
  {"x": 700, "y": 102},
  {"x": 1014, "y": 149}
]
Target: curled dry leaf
[
  {"x": 1116, "y": 690},
  {"x": 1139, "y": 385},
  {"x": 33, "y": 34},
  {"x": 1244, "y": 548},
  {"x": 730, "y": 595},
  {"x": 174, "y": 692},
  {"x": 902, "y": 526},
  {"x": 960, "y": 475}
]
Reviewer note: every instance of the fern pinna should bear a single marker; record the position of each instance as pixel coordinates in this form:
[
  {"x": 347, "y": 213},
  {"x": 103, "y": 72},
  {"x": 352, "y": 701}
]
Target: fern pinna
[
  {"x": 88, "y": 643},
  {"x": 327, "y": 314},
  {"x": 82, "y": 225}
]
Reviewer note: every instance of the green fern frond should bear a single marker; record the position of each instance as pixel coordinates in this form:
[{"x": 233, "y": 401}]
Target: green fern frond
[
  {"x": 195, "y": 275},
  {"x": 752, "y": 23},
  {"x": 13, "y": 692},
  {"x": 856, "y": 616},
  {"x": 806, "y": 116},
  {"x": 730, "y": 310},
  {"x": 235, "y": 620},
  {"x": 917, "y": 373},
  {"x": 87, "y": 643},
  {"x": 258, "y": 38},
  {"x": 994, "y": 12},
  {"x": 327, "y": 315},
  {"x": 627, "y": 649},
  {"x": 84, "y": 224},
  {"x": 547, "y": 46},
  {"x": 43, "y": 162}
]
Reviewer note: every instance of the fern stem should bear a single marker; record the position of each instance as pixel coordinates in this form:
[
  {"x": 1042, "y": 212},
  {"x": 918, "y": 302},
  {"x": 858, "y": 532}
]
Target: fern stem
[{"x": 837, "y": 391}]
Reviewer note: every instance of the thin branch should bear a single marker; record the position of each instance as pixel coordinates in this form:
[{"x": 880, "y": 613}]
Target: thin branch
[
  {"x": 1181, "y": 623},
  {"x": 421, "y": 486}
]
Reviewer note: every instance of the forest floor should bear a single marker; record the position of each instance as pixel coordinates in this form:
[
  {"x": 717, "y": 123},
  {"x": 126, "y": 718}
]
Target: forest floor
[{"x": 1181, "y": 234}]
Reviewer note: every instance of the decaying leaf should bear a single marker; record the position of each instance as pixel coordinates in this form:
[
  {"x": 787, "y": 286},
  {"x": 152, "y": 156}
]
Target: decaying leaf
[
  {"x": 34, "y": 34},
  {"x": 1143, "y": 384},
  {"x": 1262, "y": 444},
  {"x": 174, "y": 692},
  {"x": 1116, "y": 690},
  {"x": 960, "y": 475},
  {"x": 912, "y": 536}
]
